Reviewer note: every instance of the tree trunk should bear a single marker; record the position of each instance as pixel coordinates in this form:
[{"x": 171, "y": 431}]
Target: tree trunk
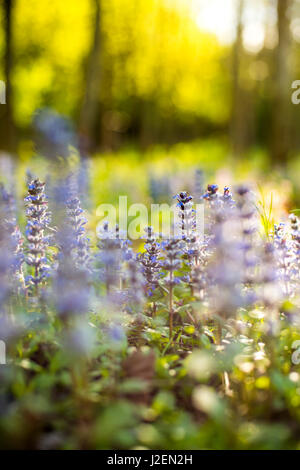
[
  {"x": 281, "y": 111},
  {"x": 90, "y": 105},
  {"x": 239, "y": 116},
  {"x": 7, "y": 126}
]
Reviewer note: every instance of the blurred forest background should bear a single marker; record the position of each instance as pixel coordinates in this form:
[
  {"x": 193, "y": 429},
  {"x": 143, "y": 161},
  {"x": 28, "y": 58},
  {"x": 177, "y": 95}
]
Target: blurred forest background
[{"x": 136, "y": 73}]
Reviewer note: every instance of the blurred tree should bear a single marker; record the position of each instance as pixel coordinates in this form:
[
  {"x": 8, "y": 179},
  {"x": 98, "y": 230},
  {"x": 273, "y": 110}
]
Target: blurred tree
[
  {"x": 238, "y": 115},
  {"x": 280, "y": 135},
  {"x": 145, "y": 72},
  {"x": 7, "y": 126},
  {"x": 90, "y": 105}
]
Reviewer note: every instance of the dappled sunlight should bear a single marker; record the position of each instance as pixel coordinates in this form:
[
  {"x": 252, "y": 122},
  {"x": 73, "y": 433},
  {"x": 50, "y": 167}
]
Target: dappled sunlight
[{"x": 149, "y": 227}]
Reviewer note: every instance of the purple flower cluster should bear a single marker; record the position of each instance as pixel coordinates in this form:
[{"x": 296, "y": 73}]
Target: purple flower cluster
[
  {"x": 14, "y": 238},
  {"x": 150, "y": 260},
  {"x": 38, "y": 220},
  {"x": 209, "y": 278}
]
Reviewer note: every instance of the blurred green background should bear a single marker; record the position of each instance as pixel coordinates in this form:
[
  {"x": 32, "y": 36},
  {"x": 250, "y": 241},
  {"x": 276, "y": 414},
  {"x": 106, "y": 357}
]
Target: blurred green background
[{"x": 204, "y": 83}]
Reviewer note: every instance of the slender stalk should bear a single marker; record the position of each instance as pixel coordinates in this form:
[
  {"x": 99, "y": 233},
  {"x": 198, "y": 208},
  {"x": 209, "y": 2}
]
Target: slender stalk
[{"x": 171, "y": 312}]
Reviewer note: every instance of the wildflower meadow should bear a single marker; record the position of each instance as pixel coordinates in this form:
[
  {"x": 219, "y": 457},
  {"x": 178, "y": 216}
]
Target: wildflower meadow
[
  {"x": 149, "y": 231},
  {"x": 187, "y": 342}
]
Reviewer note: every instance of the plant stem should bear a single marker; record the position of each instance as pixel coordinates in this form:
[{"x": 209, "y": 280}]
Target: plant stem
[{"x": 171, "y": 306}]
